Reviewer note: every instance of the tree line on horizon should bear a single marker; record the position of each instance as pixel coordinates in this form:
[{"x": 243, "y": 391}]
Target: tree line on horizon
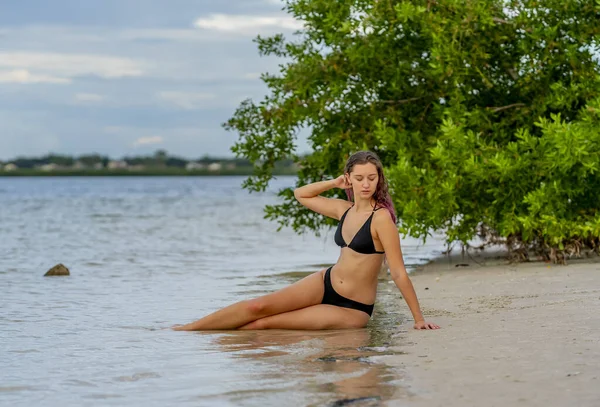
[{"x": 160, "y": 158}]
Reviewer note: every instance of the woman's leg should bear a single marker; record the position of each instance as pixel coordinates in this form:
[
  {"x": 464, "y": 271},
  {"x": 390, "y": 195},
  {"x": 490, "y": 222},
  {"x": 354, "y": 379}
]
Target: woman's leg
[
  {"x": 304, "y": 293},
  {"x": 316, "y": 317}
]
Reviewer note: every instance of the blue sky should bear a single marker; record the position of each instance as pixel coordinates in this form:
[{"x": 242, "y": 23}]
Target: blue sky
[{"x": 122, "y": 77}]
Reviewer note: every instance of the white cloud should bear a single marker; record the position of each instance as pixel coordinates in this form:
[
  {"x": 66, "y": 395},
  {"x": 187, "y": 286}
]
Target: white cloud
[
  {"x": 60, "y": 68},
  {"x": 180, "y": 82},
  {"x": 179, "y": 55},
  {"x": 252, "y": 75},
  {"x": 88, "y": 97},
  {"x": 147, "y": 140},
  {"x": 186, "y": 100},
  {"x": 24, "y": 76},
  {"x": 165, "y": 34},
  {"x": 246, "y": 24},
  {"x": 98, "y": 37}
]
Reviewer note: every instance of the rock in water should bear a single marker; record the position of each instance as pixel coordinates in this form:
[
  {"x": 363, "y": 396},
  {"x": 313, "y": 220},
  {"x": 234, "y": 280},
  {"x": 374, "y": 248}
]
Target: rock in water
[{"x": 58, "y": 270}]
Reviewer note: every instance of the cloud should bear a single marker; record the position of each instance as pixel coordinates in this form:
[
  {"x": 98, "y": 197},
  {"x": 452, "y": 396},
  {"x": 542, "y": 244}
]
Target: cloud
[
  {"x": 162, "y": 34},
  {"x": 247, "y": 24},
  {"x": 61, "y": 68},
  {"x": 98, "y": 37},
  {"x": 147, "y": 140},
  {"x": 24, "y": 76},
  {"x": 186, "y": 100},
  {"x": 101, "y": 81},
  {"x": 160, "y": 54},
  {"x": 252, "y": 75},
  {"x": 88, "y": 97}
]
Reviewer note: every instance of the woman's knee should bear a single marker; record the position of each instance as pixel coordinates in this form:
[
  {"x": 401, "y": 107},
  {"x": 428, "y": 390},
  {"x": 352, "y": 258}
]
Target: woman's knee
[{"x": 256, "y": 307}]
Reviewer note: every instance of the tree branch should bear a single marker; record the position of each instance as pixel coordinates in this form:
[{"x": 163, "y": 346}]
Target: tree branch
[
  {"x": 401, "y": 101},
  {"x": 501, "y": 108},
  {"x": 502, "y": 21}
]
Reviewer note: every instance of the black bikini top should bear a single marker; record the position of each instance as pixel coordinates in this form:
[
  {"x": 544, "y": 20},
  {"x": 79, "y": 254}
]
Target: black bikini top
[{"x": 362, "y": 242}]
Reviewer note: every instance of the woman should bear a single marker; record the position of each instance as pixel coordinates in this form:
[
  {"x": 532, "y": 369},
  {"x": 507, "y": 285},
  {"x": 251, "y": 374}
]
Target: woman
[{"x": 343, "y": 295}]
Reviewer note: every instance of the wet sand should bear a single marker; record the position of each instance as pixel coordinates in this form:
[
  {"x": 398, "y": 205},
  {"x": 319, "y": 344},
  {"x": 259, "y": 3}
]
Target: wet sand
[{"x": 512, "y": 335}]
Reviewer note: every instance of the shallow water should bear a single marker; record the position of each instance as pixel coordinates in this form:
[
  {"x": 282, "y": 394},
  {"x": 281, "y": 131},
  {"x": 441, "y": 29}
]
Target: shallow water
[{"x": 146, "y": 253}]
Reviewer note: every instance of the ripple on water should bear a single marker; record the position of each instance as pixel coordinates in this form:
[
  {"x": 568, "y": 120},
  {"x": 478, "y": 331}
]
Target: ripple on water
[
  {"x": 138, "y": 376},
  {"x": 14, "y": 389},
  {"x": 103, "y": 396},
  {"x": 79, "y": 383},
  {"x": 25, "y": 351}
]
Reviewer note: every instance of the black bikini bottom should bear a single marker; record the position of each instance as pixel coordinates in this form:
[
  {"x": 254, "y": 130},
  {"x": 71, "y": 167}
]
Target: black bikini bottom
[{"x": 333, "y": 298}]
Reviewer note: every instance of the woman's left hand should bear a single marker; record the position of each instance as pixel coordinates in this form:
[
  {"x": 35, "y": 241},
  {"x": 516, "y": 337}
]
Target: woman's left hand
[{"x": 425, "y": 325}]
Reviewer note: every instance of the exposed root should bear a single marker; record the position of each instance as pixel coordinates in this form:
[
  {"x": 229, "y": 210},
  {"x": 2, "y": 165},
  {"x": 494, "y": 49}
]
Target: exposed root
[{"x": 520, "y": 251}]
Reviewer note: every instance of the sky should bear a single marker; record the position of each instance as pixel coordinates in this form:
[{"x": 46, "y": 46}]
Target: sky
[{"x": 129, "y": 77}]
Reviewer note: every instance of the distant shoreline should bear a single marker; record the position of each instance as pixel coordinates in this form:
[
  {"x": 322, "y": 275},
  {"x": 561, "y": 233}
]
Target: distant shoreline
[{"x": 137, "y": 173}]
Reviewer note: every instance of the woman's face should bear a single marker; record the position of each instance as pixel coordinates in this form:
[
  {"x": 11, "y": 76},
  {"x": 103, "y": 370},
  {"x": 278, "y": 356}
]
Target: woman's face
[{"x": 364, "y": 178}]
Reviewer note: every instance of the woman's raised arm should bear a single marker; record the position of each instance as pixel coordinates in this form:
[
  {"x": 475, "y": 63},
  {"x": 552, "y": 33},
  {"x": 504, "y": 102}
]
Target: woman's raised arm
[{"x": 308, "y": 195}]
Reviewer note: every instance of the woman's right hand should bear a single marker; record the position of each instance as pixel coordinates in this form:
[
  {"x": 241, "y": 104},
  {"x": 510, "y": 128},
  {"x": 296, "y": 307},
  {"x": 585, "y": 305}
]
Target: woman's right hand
[{"x": 342, "y": 182}]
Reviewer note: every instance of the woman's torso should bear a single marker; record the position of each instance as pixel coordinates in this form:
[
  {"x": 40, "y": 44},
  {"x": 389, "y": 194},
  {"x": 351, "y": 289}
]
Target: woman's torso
[{"x": 355, "y": 274}]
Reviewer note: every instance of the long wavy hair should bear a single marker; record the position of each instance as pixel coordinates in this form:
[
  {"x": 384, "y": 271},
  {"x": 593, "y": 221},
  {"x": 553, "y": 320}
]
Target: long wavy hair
[{"x": 381, "y": 195}]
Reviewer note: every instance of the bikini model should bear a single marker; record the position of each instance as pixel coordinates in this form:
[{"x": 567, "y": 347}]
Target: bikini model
[{"x": 362, "y": 242}]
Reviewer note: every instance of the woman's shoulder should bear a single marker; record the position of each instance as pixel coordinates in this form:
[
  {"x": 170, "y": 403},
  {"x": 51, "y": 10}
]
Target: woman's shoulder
[{"x": 382, "y": 216}]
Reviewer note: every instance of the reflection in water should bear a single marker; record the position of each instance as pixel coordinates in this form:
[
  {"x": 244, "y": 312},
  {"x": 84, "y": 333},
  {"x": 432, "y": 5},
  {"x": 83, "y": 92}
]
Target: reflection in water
[
  {"x": 328, "y": 367},
  {"x": 335, "y": 368}
]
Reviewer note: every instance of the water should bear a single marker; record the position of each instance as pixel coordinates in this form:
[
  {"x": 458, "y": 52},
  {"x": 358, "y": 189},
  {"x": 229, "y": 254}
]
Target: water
[{"x": 146, "y": 253}]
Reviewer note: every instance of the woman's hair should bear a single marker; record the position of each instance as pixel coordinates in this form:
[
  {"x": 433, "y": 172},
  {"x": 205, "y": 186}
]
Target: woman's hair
[{"x": 381, "y": 195}]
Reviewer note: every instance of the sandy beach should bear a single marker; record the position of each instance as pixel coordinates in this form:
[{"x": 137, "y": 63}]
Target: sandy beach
[{"x": 512, "y": 334}]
